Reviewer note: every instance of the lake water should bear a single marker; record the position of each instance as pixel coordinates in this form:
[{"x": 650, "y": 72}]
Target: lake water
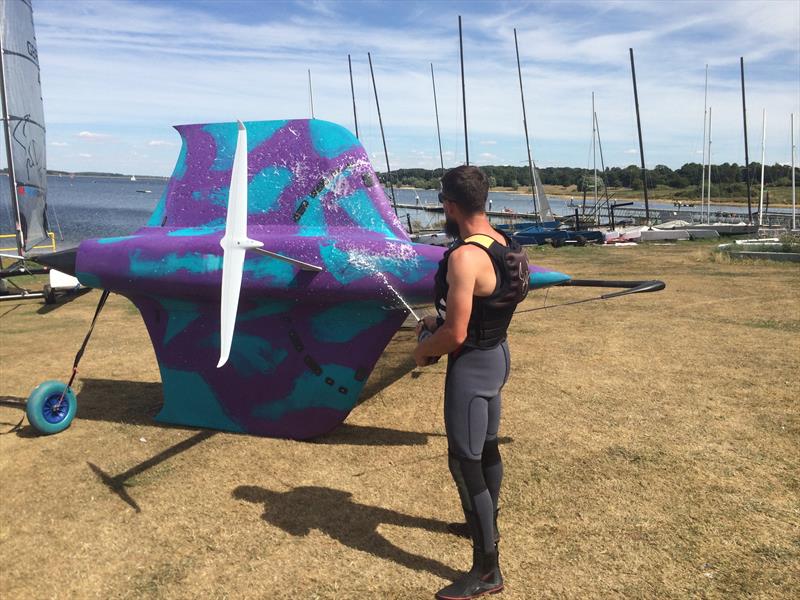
[{"x": 86, "y": 207}]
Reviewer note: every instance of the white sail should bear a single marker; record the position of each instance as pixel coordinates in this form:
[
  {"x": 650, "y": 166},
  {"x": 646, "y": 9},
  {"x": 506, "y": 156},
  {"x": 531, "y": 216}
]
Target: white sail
[
  {"x": 545, "y": 213},
  {"x": 23, "y": 116}
]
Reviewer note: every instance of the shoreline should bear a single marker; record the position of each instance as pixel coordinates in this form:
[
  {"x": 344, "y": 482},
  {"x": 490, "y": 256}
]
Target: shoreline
[{"x": 655, "y": 198}]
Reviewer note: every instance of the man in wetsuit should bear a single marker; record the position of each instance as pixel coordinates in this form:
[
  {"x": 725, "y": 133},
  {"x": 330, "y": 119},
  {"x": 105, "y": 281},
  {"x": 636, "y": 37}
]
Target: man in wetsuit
[{"x": 480, "y": 281}]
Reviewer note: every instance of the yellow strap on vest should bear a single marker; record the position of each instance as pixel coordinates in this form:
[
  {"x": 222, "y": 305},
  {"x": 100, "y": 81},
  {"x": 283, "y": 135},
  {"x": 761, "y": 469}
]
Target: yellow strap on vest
[{"x": 482, "y": 239}]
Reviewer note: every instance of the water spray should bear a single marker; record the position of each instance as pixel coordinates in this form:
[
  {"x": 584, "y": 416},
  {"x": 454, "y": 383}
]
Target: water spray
[
  {"x": 425, "y": 333},
  {"x": 361, "y": 261}
]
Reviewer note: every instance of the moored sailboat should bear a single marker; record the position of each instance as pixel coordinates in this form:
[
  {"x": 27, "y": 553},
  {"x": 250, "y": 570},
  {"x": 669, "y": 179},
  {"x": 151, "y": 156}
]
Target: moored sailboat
[{"x": 24, "y": 131}]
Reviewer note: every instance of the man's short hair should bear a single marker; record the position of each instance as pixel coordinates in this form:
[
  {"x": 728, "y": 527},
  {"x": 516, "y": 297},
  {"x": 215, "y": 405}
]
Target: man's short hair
[{"x": 468, "y": 187}]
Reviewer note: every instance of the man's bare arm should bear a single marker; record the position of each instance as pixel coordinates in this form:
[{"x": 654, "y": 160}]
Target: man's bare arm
[{"x": 462, "y": 269}]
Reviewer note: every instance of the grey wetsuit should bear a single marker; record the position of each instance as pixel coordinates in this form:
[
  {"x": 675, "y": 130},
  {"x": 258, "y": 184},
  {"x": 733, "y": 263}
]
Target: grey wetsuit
[
  {"x": 472, "y": 407},
  {"x": 476, "y": 374}
]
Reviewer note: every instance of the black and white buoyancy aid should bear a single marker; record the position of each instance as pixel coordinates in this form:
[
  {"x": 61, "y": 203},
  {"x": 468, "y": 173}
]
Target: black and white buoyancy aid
[{"x": 491, "y": 314}]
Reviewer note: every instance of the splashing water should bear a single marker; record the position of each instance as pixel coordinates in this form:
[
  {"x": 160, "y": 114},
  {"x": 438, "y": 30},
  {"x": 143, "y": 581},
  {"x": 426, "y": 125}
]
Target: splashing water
[
  {"x": 369, "y": 263},
  {"x": 396, "y": 293}
]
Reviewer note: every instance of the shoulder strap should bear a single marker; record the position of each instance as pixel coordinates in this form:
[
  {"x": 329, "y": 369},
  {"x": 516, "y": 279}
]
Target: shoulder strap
[{"x": 480, "y": 239}]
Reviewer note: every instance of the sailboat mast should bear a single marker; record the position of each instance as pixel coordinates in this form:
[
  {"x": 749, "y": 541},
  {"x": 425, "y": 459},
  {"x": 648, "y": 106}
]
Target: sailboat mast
[
  {"x": 641, "y": 146},
  {"x": 603, "y": 167},
  {"x": 525, "y": 126},
  {"x": 763, "y": 144},
  {"x": 794, "y": 204},
  {"x": 463, "y": 89},
  {"x": 353, "y": 93},
  {"x": 708, "y": 212},
  {"x": 310, "y": 93},
  {"x": 703, "y": 170},
  {"x": 383, "y": 137},
  {"x": 746, "y": 154},
  {"x": 594, "y": 159},
  {"x": 438, "y": 131},
  {"x": 12, "y": 179}
]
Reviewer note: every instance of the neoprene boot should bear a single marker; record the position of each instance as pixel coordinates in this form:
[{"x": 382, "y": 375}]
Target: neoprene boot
[
  {"x": 483, "y": 578},
  {"x": 462, "y": 529}
]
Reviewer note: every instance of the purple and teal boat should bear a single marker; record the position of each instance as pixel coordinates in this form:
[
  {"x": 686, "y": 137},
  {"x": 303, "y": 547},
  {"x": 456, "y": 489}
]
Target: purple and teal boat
[{"x": 305, "y": 341}]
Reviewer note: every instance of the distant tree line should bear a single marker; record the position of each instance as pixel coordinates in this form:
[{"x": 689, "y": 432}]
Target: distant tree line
[{"x": 727, "y": 178}]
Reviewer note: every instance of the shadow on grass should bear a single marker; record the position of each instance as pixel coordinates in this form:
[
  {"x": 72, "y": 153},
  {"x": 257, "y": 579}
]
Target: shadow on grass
[
  {"x": 395, "y": 362},
  {"x": 10, "y": 310},
  {"x": 137, "y": 403},
  {"x": 62, "y": 300},
  {"x": 128, "y": 402},
  {"x": 118, "y": 483},
  {"x": 364, "y": 435},
  {"x": 352, "y": 524}
]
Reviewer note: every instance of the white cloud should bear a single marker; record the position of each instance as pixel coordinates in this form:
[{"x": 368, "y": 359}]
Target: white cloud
[
  {"x": 59, "y": 144},
  {"x": 224, "y": 68},
  {"x": 84, "y": 155},
  {"x": 90, "y": 135},
  {"x": 631, "y": 151},
  {"x": 160, "y": 143}
]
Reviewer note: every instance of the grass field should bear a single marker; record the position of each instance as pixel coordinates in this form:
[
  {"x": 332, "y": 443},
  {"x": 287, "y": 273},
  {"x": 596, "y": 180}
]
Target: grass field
[{"x": 651, "y": 447}]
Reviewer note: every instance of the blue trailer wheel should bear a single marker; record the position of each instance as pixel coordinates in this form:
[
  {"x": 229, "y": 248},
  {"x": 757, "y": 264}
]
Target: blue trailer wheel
[{"x": 50, "y": 409}]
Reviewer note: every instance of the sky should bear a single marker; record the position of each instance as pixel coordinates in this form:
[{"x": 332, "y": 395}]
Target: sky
[{"x": 117, "y": 75}]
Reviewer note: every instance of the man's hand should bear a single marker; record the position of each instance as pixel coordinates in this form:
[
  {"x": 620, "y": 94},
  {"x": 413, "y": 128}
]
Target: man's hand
[
  {"x": 421, "y": 359},
  {"x": 428, "y": 322}
]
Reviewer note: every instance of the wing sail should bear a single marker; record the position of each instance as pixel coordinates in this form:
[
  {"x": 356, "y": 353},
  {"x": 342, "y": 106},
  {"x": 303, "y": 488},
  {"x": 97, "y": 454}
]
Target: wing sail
[{"x": 305, "y": 178}]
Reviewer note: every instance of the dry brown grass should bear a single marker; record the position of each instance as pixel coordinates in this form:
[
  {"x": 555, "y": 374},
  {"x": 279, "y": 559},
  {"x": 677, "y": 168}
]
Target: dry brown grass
[{"x": 650, "y": 444}]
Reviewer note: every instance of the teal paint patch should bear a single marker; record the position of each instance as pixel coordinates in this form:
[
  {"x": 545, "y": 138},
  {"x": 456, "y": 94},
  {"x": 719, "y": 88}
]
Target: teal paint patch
[
  {"x": 546, "y": 279},
  {"x": 330, "y": 140},
  {"x": 360, "y": 208},
  {"x": 219, "y": 197},
  {"x": 264, "y": 267},
  {"x": 337, "y": 263},
  {"x": 259, "y": 132},
  {"x": 193, "y": 262},
  {"x": 157, "y": 218},
  {"x": 251, "y": 355},
  {"x": 189, "y": 400},
  {"x": 406, "y": 270},
  {"x": 115, "y": 240},
  {"x": 180, "y": 314},
  {"x": 311, "y": 391},
  {"x": 344, "y": 322},
  {"x": 215, "y": 226},
  {"x": 350, "y": 265},
  {"x": 266, "y": 309},
  {"x": 89, "y": 280},
  {"x": 265, "y": 189},
  {"x": 312, "y": 223},
  {"x": 215, "y": 196},
  {"x": 225, "y": 136}
]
